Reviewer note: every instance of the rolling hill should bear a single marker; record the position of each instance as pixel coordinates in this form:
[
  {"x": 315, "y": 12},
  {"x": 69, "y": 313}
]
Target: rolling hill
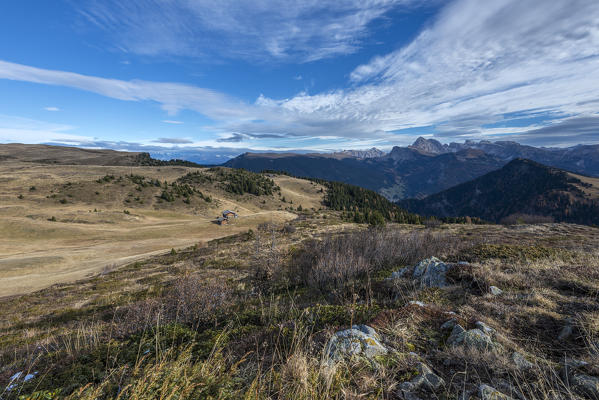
[{"x": 520, "y": 188}]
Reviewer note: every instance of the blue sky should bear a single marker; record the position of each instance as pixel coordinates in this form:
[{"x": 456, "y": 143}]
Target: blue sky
[{"x": 216, "y": 78}]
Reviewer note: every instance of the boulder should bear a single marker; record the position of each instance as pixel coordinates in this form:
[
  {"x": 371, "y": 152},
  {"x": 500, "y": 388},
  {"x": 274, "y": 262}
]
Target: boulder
[
  {"x": 431, "y": 272},
  {"x": 360, "y": 340},
  {"x": 486, "y": 392}
]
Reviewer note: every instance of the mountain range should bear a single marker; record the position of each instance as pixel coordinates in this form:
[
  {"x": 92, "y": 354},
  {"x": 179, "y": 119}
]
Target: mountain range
[
  {"x": 521, "y": 189},
  {"x": 421, "y": 169}
]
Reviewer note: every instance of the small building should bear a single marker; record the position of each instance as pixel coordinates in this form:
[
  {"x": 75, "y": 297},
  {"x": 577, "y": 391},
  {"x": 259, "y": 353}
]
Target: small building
[
  {"x": 222, "y": 221},
  {"x": 229, "y": 213}
]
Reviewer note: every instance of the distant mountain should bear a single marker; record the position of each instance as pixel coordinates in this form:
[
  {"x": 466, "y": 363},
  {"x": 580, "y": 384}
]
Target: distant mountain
[
  {"x": 359, "y": 154},
  {"x": 522, "y": 187},
  {"x": 403, "y": 173},
  {"x": 423, "y": 168},
  {"x": 583, "y": 159}
]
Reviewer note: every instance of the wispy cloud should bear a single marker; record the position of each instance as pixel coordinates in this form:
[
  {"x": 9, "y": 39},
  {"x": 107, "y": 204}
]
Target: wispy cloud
[
  {"x": 255, "y": 30},
  {"x": 171, "y": 121},
  {"x": 173, "y": 141},
  {"x": 473, "y": 66},
  {"x": 51, "y": 108}
]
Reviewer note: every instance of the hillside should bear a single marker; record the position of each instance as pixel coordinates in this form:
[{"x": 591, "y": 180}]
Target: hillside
[
  {"x": 62, "y": 155},
  {"x": 404, "y": 172},
  {"x": 61, "y": 222},
  {"x": 522, "y": 187}
]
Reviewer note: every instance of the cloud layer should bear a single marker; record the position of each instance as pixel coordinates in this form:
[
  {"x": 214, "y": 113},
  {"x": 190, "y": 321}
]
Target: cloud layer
[
  {"x": 530, "y": 66},
  {"x": 254, "y": 30}
]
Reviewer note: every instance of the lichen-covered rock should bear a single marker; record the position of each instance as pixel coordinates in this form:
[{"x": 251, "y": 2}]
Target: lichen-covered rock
[
  {"x": 486, "y": 392},
  {"x": 431, "y": 272},
  {"x": 585, "y": 385},
  {"x": 477, "y": 339},
  {"x": 473, "y": 339},
  {"x": 360, "y": 340},
  {"x": 425, "y": 379},
  {"x": 520, "y": 362}
]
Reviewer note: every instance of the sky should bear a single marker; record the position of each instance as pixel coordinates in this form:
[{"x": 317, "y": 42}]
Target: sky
[{"x": 208, "y": 80}]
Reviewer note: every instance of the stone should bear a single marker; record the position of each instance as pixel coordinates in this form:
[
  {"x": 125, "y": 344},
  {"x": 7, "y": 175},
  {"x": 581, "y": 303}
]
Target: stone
[
  {"x": 431, "y": 272},
  {"x": 565, "y": 333},
  {"x": 486, "y": 392},
  {"x": 521, "y": 362},
  {"x": 477, "y": 339},
  {"x": 457, "y": 335},
  {"x": 485, "y": 328},
  {"x": 416, "y": 303},
  {"x": 447, "y": 325},
  {"x": 360, "y": 340},
  {"x": 585, "y": 385},
  {"x": 495, "y": 291},
  {"x": 425, "y": 379}
]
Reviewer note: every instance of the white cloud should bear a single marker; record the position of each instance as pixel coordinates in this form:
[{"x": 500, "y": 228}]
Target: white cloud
[
  {"x": 24, "y": 130},
  {"x": 51, "y": 108},
  {"x": 476, "y": 64},
  {"x": 171, "y": 121},
  {"x": 257, "y": 30}
]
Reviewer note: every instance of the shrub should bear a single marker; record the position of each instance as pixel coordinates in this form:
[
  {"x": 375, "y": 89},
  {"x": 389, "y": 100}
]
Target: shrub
[{"x": 337, "y": 261}]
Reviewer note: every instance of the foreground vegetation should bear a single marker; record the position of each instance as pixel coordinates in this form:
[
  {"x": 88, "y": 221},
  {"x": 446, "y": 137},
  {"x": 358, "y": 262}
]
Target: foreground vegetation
[{"x": 249, "y": 316}]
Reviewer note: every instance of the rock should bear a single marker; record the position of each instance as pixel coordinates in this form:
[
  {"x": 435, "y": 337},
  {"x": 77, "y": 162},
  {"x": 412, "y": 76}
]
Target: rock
[
  {"x": 486, "y": 392},
  {"x": 431, "y": 272},
  {"x": 416, "y": 303},
  {"x": 457, "y": 335},
  {"x": 447, "y": 325},
  {"x": 485, "y": 328},
  {"x": 425, "y": 379},
  {"x": 477, "y": 339},
  {"x": 585, "y": 385},
  {"x": 495, "y": 291},
  {"x": 360, "y": 340},
  {"x": 521, "y": 362}
]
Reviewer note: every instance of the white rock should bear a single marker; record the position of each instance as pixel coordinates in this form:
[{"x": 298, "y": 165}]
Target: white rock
[{"x": 360, "y": 340}]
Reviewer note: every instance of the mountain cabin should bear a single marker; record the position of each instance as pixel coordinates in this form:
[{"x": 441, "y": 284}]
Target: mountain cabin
[{"x": 229, "y": 213}]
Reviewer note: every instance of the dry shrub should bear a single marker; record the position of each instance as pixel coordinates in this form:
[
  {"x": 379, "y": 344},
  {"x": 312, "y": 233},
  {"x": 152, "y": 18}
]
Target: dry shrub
[
  {"x": 193, "y": 301},
  {"x": 337, "y": 261}
]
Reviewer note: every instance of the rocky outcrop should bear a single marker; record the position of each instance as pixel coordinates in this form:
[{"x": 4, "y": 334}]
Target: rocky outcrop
[
  {"x": 431, "y": 272},
  {"x": 473, "y": 339},
  {"x": 360, "y": 340}
]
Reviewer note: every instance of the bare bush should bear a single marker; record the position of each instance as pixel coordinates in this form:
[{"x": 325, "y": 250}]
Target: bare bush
[
  {"x": 192, "y": 301},
  {"x": 337, "y": 260}
]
